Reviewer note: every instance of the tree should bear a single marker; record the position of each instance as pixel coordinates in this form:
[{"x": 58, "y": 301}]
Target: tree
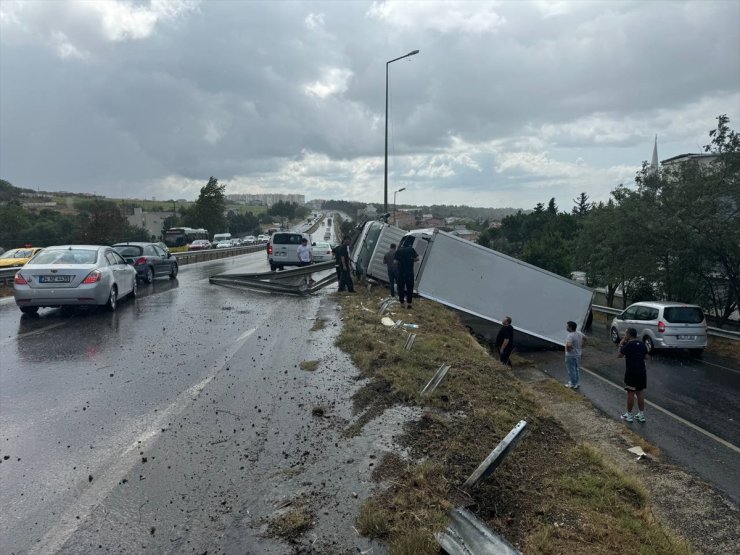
[
  {"x": 582, "y": 206},
  {"x": 100, "y": 222},
  {"x": 208, "y": 211}
]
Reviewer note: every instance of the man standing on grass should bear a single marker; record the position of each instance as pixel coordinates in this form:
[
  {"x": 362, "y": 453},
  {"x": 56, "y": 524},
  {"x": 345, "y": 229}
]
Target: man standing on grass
[
  {"x": 390, "y": 263},
  {"x": 574, "y": 343},
  {"x": 406, "y": 258},
  {"x": 633, "y": 351},
  {"x": 505, "y": 341}
]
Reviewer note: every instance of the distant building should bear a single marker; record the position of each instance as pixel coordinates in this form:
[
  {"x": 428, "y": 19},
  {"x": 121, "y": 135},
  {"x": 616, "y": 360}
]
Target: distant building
[
  {"x": 266, "y": 199},
  {"x": 432, "y": 222},
  {"x": 701, "y": 159},
  {"x": 403, "y": 219},
  {"x": 153, "y": 222},
  {"x": 467, "y": 234}
]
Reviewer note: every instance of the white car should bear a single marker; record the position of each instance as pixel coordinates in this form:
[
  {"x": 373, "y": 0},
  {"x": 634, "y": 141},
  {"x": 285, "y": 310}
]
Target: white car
[
  {"x": 322, "y": 252},
  {"x": 227, "y": 244},
  {"x": 250, "y": 240},
  {"x": 74, "y": 275}
]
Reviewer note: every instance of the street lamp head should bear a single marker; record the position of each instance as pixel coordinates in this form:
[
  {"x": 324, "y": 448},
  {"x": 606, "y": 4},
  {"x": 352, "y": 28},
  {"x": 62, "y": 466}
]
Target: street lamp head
[
  {"x": 401, "y": 189},
  {"x": 413, "y": 53}
]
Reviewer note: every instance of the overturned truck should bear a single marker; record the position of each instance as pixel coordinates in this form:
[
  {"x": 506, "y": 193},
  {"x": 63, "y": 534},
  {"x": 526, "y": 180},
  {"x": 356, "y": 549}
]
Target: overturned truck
[{"x": 480, "y": 282}]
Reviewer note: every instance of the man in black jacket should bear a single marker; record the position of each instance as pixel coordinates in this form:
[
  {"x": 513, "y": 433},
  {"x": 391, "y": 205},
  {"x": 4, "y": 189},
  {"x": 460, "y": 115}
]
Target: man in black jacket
[
  {"x": 505, "y": 340},
  {"x": 343, "y": 263}
]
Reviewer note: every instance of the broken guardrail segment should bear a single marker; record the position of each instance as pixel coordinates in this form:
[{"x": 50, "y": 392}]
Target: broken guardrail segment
[
  {"x": 410, "y": 342},
  {"x": 288, "y": 281},
  {"x": 436, "y": 379},
  {"x": 466, "y": 535},
  {"x": 498, "y": 455}
]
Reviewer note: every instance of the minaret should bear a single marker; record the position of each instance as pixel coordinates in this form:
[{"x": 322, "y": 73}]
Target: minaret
[{"x": 654, "y": 167}]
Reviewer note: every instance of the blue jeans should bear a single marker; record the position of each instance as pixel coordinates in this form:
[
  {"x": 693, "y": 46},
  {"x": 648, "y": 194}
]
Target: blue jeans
[{"x": 573, "y": 364}]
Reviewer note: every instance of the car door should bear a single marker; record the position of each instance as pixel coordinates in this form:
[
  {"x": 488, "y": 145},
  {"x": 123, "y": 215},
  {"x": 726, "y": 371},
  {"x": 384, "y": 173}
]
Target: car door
[
  {"x": 627, "y": 319},
  {"x": 120, "y": 276},
  {"x": 128, "y": 273},
  {"x": 154, "y": 260},
  {"x": 166, "y": 261}
]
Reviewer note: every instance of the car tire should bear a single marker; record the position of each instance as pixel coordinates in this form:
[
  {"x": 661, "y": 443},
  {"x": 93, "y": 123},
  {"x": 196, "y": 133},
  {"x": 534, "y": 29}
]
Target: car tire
[
  {"x": 135, "y": 291},
  {"x": 614, "y": 335},
  {"x": 648, "y": 343},
  {"x": 29, "y": 309},
  {"x": 112, "y": 303},
  {"x": 272, "y": 267},
  {"x": 149, "y": 277},
  {"x": 173, "y": 273}
]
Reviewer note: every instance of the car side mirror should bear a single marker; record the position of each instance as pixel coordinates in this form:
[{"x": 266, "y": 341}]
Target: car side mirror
[{"x": 169, "y": 255}]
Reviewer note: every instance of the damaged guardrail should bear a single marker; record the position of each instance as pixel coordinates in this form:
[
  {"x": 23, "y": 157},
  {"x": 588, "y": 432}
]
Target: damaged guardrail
[
  {"x": 466, "y": 535},
  {"x": 293, "y": 282}
]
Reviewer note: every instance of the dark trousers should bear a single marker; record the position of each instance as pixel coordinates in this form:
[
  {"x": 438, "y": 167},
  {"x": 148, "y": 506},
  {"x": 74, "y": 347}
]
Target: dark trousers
[
  {"x": 505, "y": 356},
  {"x": 393, "y": 280},
  {"x": 405, "y": 287},
  {"x": 345, "y": 281}
]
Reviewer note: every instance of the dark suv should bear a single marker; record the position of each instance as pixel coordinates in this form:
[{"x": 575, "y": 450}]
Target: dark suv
[{"x": 148, "y": 259}]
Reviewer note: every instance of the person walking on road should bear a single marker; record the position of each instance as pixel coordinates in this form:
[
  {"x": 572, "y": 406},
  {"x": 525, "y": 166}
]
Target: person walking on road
[
  {"x": 406, "y": 257},
  {"x": 633, "y": 351},
  {"x": 390, "y": 262},
  {"x": 345, "y": 279},
  {"x": 574, "y": 343},
  {"x": 505, "y": 341}
]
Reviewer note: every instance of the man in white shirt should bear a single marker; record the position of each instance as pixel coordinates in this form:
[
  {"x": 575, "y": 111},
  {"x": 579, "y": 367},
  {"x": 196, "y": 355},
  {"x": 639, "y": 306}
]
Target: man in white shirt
[
  {"x": 574, "y": 343},
  {"x": 305, "y": 256}
]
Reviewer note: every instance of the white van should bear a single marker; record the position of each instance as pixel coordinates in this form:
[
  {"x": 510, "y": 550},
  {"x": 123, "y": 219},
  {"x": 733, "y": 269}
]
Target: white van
[
  {"x": 219, "y": 237},
  {"x": 282, "y": 250}
]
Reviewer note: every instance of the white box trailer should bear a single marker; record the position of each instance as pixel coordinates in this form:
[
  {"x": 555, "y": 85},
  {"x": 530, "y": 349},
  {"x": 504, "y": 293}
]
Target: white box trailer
[
  {"x": 490, "y": 285},
  {"x": 368, "y": 251}
]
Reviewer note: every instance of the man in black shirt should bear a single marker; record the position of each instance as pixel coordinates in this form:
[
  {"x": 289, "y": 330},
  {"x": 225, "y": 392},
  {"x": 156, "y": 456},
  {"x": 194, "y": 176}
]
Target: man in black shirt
[
  {"x": 342, "y": 257},
  {"x": 505, "y": 340},
  {"x": 406, "y": 257},
  {"x": 633, "y": 351}
]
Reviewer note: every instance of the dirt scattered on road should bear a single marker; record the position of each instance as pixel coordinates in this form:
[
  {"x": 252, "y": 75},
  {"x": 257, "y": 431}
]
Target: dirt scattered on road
[
  {"x": 553, "y": 494},
  {"x": 309, "y": 365}
]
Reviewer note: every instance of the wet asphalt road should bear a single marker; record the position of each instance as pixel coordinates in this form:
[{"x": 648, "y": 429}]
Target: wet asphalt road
[
  {"x": 181, "y": 423},
  {"x": 693, "y": 404}
]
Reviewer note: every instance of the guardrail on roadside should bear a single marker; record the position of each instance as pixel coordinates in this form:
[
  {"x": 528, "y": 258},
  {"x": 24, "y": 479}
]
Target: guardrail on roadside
[
  {"x": 190, "y": 257},
  {"x": 715, "y": 332}
]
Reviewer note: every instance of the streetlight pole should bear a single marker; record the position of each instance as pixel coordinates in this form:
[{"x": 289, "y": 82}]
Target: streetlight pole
[
  {"x": 385, "y": 179},
  {"x": 394, "y": 203}
]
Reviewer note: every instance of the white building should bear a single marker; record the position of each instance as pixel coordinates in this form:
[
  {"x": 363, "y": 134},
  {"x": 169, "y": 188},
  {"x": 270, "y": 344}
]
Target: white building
[
  {"x": 266, "y": 199},
  {"x": 151, "y": 221}
]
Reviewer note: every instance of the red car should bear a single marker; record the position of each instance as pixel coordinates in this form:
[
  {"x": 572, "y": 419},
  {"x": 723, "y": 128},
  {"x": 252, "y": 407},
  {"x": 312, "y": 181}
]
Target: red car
[{"x": 199, "y": 245}]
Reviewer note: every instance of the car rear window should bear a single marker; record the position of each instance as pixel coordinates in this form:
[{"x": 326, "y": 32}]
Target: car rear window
[
  {"x": 286, "y": 239},
  {"x": 683, "y": 315},
  {"x": 129, "y": 250},
  {"x": 66, "y": 256}
]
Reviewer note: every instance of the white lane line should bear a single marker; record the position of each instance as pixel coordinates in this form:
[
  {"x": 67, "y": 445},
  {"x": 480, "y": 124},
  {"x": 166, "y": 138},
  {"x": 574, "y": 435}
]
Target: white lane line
[
  {"x": 36, "y": 332},
  {"x": 672, "y": 415},
  {"x": 720, "y": 366},
  {"x": 94, "y": 494}
]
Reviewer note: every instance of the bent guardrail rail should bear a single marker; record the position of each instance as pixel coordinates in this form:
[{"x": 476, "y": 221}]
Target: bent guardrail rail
[
  {"x": 715, "y": 332},
  {"x": 292, "y": 282}
]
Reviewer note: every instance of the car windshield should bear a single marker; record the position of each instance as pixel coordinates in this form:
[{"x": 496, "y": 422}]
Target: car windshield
[
  {"x": 18, "y": 253},
  {"x": 129, "y": 250},
  {"x": 66, "y": 256},
  {"x": 683, "y": 315}
]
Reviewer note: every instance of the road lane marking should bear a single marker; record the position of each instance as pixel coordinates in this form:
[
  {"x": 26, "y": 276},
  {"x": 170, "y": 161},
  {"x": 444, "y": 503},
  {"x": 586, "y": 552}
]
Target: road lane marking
[
  {"x": 720, "y": 366},
  {"x": 671, "y": 414},
  {"x": 95, "y": 493}
]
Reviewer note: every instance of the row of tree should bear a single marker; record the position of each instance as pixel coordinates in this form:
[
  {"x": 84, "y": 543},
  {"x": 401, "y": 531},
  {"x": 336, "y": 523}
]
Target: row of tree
[{"x": 675, "y": 235}]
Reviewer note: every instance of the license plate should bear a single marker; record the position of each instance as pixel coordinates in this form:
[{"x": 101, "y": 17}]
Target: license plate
[
  {"x": 686, "y": 337},
  {"x": 55, "y": 279},
  {"x": 279, "y": 254}
]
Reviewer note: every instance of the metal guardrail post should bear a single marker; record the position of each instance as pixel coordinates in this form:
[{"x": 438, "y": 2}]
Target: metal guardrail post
[{"x": 498, "y": 455}]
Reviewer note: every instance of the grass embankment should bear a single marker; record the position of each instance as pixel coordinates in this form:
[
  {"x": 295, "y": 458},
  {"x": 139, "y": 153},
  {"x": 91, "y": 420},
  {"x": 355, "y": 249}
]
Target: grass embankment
[{"x": 551, "y": 495}]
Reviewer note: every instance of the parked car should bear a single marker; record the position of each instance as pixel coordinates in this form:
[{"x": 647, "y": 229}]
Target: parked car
[
  {"x": 74, "y": 275},
  {"x": 148, "y": 259},
  {"x": 17, "y": 257},
  {"x": 282, "y": 250},
  {"x": 199, "y": 245},
  {"x": 664, "y": 325},
  {"x": 322, "y": 252},
  {"x": 225, "y": 244}
]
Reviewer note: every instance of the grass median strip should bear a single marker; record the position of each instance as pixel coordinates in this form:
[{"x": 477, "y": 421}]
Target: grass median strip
[{"x": 551, "y": 495}]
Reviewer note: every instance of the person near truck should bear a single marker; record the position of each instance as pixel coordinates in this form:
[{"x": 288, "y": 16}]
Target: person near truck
[
  {"x": 574, "y": 343},
  {"x": 345, "y": 279},
  {"x": 505, "y": 341},
  {"x": 406, "y": 257},
  {"x": 390, "y": 263},
  {"x": 633, "y": 351},
  {"x": 305, "y": 257}
]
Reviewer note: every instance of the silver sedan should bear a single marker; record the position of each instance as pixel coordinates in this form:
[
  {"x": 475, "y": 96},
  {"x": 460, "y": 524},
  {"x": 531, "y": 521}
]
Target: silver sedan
[{"x": 74, "y": 275}]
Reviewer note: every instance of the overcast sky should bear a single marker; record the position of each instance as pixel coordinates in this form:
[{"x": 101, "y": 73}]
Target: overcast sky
[{"x": 507, "y": 103}]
